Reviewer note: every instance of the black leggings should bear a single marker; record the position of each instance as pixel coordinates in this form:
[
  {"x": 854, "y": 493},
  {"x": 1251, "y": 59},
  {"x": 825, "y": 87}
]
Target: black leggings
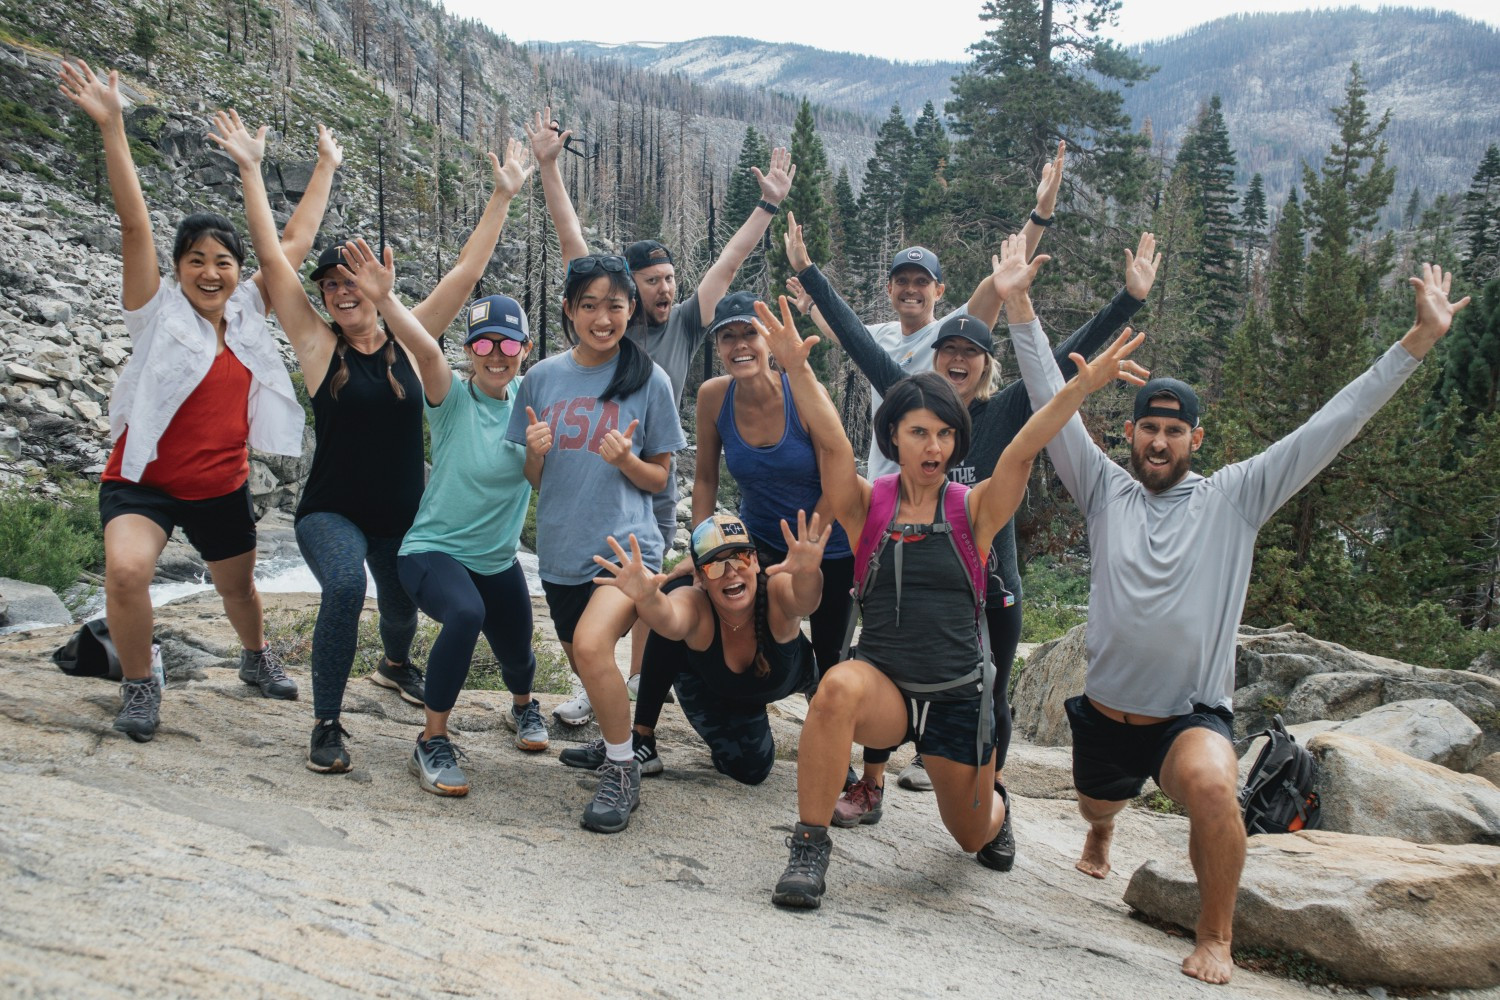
[{"x": 467, "y": 603}]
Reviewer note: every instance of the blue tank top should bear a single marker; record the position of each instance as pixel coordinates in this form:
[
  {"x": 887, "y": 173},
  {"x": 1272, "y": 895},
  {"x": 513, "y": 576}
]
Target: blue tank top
[{"x": 778, "y": 480}]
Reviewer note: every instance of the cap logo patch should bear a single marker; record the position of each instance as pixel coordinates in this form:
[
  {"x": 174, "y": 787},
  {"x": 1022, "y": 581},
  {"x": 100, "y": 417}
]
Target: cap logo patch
[
  {"x": 510, "y": 318},
  {"x": 913, "y": 255},
  {"x": 479, "y": 312}
]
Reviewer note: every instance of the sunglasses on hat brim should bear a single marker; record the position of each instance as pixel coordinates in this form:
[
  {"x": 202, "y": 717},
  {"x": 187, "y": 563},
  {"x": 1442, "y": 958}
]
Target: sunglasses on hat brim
[
  {"x": 484, "y": 345},
  {"x": 717, "y": 566}
]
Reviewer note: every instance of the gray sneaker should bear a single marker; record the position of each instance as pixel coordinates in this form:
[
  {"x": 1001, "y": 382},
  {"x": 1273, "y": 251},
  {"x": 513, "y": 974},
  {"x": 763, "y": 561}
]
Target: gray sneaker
[
  {"x": 264, "y": 670},
  {"x": 526, "y": 722},
  {"x": 803, "y": 882},
  {"x": 591, "y": 755},
  {"x": 618, "y": 795},
  {"x": 915, "y": 777},
  {"x": 406, "y": 680},
  {"x": 435, "y": 763},
  {"x": 140, "y": 709}
]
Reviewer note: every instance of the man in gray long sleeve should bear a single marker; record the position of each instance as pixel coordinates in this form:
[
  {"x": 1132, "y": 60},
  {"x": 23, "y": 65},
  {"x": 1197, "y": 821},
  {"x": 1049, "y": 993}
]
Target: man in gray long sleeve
[{"x": 1171, "y": 553}]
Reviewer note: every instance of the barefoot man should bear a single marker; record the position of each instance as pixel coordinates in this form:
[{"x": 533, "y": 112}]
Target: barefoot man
[{"x": 1171, "y": 553}]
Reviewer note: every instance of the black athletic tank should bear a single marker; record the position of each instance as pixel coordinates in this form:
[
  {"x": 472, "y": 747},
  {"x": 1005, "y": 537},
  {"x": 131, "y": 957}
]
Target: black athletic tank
[{"x": 792, "y": 670}]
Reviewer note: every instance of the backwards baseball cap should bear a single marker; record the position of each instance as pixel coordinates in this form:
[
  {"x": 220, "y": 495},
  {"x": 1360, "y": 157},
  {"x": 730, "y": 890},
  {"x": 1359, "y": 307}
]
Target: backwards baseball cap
[
  {"x": 738, "y": 307},
  {"x": 646, "y": 253},
  {"x": 716, "y": 535},
  {"x": 331, "y": 257},
  {"x": 496, "y": 315},
  {"x": 967, "y": 328},
  {"x": 918, "y": 257},
  {"x": 1186, "y": 398}
]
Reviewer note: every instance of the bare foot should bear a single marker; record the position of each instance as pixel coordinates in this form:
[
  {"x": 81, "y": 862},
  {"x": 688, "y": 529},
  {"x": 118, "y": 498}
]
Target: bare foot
[
  {"x": 1095, "y": 859},
  {"x": 1210, "y": 962}
]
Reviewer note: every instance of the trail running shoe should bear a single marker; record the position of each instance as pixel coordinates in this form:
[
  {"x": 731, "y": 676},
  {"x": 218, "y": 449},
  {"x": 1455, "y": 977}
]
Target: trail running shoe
[
  {"x": 140, "y": 709},
  {"x": 859, "y": 805},
  {"x": 576, "y": 712},
  {"x": 326, "y": 753},
  {"x": 915, "y": 777},
  {"x": 803, "y": 882},
  {"x": 618, "y": 795},
  {"x": 591, "y": 755},
  {"x": 265, "y": 671},
  {"x": 1000, "y": 853},
  {"x": 633, "y": 686},
  {"x": 526, "y": 722},
  {"x": 435, "y": 763},
  {"x": 404, "y": 679}
]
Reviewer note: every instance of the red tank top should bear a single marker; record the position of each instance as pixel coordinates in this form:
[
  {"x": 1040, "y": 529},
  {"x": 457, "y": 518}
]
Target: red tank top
[{"x": 202, "y": 454}]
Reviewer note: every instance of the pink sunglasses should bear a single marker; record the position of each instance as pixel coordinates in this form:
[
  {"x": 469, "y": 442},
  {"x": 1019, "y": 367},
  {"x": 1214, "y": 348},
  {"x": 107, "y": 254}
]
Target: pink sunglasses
[{"x": 484, "y": 345}]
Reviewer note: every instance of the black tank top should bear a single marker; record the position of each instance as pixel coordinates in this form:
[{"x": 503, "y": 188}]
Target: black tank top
[
  {"x": 791, "y": 671},
  {"x": 367, "y": 464}
]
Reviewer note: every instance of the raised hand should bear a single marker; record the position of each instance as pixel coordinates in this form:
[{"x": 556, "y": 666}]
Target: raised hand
[
  {"x": 538, "y": 435},
  {"x": 630, "y": 576},
  {"x": 1112, "y": 363},
  {"x": 781, "y": 334},
  {"x": 615, "y": 448},
  {"x": 775, "y": 183},
  {"x": 1140, "y": 267},
  {"x": 804, "y": 550},
  {"x": 547, "y": 141},
  {"x": 374, "y": 278},
  {"x": 230, "y": 135},
  {"x": 98, "y": 99},
  {"x": 1009, "y": 272},
  {"x": 801, "y": 297},
  {"x": 1434, "y": 312},
  {"x": 330, "y": 150},
  {"x": 1051, "y": 183},
  {"x": 511, "y": 176},
  {"x": 796, "y": 247}
]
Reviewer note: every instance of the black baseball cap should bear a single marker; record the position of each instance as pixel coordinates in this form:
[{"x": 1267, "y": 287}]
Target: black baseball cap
[
  {"x": 918, "y": 257},
  {"x": 331, "y": 257},
  {"x": 738, "y": 307},
  {"x": 1186, "y": 398},
  {"x": 646, "y": 253},
  {"x": 968, "y": 328}
]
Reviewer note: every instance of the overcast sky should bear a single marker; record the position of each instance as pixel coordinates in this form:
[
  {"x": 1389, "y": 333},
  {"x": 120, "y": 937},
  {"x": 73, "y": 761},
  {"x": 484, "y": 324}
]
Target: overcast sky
[{"x": 937, "y": 29}]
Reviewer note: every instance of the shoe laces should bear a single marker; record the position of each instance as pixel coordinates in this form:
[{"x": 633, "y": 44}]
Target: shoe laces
[
  {"x": 329, "y": 735},
  {"x": 138, "y": 701},
  {"x": 406, "y": 672},
  {"x": 864, "y": 794},
  {"x": 809, "y": 858},
  {"x": 270, "y": 665},
  {"x": 442, "y": 752},
  {"x": 614, "y": 785},
  {"x": 530, "y": 715}
]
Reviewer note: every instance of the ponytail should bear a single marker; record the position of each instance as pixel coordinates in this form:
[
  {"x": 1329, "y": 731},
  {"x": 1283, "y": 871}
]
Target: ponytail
[{"x": 631, "y": 372}]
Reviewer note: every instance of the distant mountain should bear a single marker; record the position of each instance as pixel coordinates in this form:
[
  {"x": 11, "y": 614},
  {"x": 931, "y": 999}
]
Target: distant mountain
[
  {"x": 1278, "y": 74},
  {"x": 866, "y": 84}
]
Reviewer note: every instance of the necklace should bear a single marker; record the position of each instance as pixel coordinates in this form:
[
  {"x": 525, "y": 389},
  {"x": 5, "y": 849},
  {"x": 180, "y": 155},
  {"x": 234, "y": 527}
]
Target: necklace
[{"x": 732, "y": 626}]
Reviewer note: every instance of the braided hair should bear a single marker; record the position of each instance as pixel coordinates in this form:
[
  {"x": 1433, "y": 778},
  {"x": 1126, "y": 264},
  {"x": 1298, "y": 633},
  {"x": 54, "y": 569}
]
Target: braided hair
[
  {"x": 341, "y": 376},
  {"x": 762, "y": 624}
]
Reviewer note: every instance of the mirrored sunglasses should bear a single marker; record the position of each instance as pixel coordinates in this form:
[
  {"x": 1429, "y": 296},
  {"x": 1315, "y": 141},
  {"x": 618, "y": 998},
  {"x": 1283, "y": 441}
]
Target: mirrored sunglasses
[
  {"x": 484, "y": 345},
  {"x": 716, "y": 568},
  {"x": 598, "y": 262}
]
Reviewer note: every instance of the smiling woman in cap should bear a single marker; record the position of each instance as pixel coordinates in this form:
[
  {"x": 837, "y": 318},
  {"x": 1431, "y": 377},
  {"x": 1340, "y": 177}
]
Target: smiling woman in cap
[{"x": 367, "y": 469}]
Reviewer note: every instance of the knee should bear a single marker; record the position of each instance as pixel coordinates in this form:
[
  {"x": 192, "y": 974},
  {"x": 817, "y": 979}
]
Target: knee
[
  {"x": 123, "y": 577},
  {"x": 839, "y": 695},
  {"x": 237, "y": 589},
  {"x": 747, "y": 770},
  {"x": 1208, "y": 790}
]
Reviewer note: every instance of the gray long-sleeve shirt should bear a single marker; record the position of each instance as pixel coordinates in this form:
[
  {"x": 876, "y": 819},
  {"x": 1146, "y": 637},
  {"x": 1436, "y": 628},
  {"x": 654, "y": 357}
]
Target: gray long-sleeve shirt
[{"x": 1170, "y": 570}]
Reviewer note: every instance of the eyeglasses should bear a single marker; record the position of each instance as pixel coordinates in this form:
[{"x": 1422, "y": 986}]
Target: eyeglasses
[
  {"x": 331, "y": 285},
  {"x": 598, "y": 262},
  {"x": 484, "y": 345},
  {"x": 715, "y": 568}
]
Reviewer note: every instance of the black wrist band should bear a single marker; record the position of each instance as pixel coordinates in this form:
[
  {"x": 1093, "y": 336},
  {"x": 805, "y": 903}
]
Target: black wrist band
[
  {"x": 768, "y": 206},
  {"x": 1044, "y": 223}
]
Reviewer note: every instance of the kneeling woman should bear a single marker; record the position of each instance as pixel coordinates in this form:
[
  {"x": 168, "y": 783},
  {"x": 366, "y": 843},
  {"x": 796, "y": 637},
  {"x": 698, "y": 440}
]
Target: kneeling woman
[
  {"x": 928, "y": 680},
  {"x": 726, "y": 674}
]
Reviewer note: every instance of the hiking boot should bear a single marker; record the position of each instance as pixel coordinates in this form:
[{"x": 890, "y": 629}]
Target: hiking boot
[
  {"x": 1000, "y": 853},
  {"x": 140, "y": 709},
  {"x": 915, "y": 776},
  {"x": 859, "y": 805},
  {"x": 404, "y": 679},
  {"x": 576, "y": 712},
  {"x": 264, "y": 670},
  {"x": 326, "y": 753},
  {"x": 802, "y": 884},
  {"x": 618, "y": 795},
  {"x": 591, "y": 754},
  {"x": 526, "y": 722},
  {"x": 435, "y": 763}
]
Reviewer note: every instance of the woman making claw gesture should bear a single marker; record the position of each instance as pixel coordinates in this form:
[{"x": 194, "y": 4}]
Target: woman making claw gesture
[
  {"x": 736, "y": 638},
  {"x": 921, "y": 671}
]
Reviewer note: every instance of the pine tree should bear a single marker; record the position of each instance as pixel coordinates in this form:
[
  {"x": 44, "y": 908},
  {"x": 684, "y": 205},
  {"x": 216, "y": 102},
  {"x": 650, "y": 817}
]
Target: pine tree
[
  {"x": 1481, "y": 220},
  {"x": 808, "y": 200},
  {"x": 922, "y": 203},
  {"x": 742, "y": 195},
  {"x": 880, "y": 202},
  {"x": 850, "y": 252},
  {"x": 1253, "y": 211},
  {"x": 1206, "y": 162}
]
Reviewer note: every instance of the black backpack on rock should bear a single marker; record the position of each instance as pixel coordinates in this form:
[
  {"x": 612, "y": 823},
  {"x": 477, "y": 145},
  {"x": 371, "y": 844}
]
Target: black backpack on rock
[
  {"x": 1280, "y": 793},
  {"x": 89, "y": 652}
]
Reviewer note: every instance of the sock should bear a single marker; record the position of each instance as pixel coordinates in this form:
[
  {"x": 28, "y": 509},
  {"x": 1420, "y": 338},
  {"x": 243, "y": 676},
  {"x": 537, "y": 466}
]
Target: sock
[{"x": 620, "y": 753}]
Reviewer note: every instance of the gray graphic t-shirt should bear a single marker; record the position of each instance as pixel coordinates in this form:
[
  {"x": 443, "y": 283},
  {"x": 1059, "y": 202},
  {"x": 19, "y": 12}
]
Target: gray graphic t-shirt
[{"x": 672, "y": 345}]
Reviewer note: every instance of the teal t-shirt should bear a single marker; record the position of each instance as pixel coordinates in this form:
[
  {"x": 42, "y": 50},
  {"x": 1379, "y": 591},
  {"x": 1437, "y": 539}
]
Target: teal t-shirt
[{"x": 477, "y": 494}]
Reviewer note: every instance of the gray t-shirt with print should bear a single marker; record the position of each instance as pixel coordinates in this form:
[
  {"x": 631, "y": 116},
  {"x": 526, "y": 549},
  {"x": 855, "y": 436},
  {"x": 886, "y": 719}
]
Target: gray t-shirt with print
[{"x": 672, "y": 345}]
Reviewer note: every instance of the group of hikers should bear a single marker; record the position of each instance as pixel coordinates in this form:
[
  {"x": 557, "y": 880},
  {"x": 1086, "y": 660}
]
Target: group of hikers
[{"x": 923, "y": 550}]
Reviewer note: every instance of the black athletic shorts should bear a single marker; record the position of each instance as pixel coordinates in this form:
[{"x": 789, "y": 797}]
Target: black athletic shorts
[
  {"x": 565, "y": 604},
  {"x": 946, "y": 729},
  {"x": 219, "y": 528},
  {"x": 1112, "y": 760}
]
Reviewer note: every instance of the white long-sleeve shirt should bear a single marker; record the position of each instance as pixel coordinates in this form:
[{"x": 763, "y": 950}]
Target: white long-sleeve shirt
[{"x": 1170, "y": 570}]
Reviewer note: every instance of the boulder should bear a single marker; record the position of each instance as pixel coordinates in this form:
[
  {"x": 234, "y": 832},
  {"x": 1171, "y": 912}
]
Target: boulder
[
  {"x": 1054, "y": 673},
  {"x": 31, "y": 602},
  {"x": 1425, "y": 728},
  {"x": 1371, "y": 909},
  {"x": 1370, "y": 789},
  {"x": 1039, "y": 772},
  {"x": 1487, "y": 663},
  {"x": 1489, "y": 769}
]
